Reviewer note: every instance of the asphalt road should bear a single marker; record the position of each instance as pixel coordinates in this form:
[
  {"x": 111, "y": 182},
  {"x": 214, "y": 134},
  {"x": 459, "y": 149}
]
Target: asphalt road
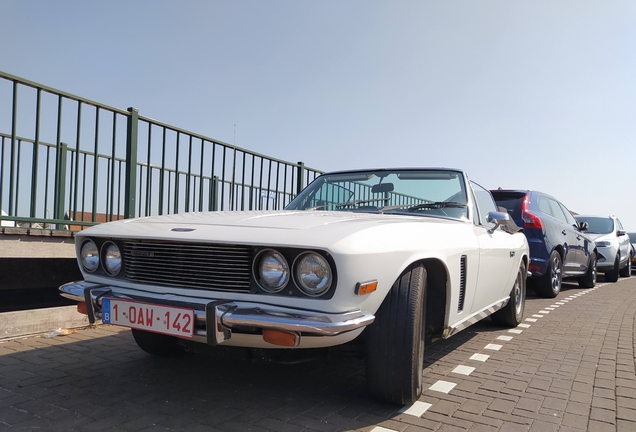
[{"x": 569, "y": 367}]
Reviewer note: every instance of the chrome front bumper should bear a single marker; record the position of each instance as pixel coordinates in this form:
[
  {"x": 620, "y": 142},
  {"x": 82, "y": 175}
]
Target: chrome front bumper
[{"x": 217, "y": 319}]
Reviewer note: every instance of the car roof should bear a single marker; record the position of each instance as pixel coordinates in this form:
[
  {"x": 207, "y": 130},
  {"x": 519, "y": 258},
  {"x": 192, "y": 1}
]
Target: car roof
[{"x": 395, "y": 169}]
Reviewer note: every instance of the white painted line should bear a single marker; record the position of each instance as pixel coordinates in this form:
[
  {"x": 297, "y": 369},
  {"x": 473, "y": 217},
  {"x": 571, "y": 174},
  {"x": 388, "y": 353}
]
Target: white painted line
[
  {"x": 515, "y": 331},
  {"x": 493, "y": 347},
  {"x": 560, "y": 303},
  {"x": 549, "y": 308},
  {"x": 442, "y": 386},
  {"x": 463, "y": 370},
  {"x": 524, "y": 325},
  {"x": 417, "y": 409},
  {"x": 554, "y": 306},
  {"x": 537, "y": 316},
  {"x": 545, "y": 312},
  {"x": 382, "y": 429},
  {"x": 505, "y": 338},
  {"x": 479, "y": 357},
  {"x": 532, "y": 319}
]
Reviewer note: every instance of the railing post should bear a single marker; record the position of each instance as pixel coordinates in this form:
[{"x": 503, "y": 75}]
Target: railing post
[
  {"x": 300, "y": 181},
  {"x": 60, "y": 183},
  {"x": 130, "y": 181},
  {"x": 215, "y": 193},
  {"x": 14, "y": 120}
]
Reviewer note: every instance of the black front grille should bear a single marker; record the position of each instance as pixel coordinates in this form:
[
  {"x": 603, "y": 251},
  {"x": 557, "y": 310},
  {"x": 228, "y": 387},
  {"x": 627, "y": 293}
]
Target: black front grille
[{"x": 188, "y": 265}]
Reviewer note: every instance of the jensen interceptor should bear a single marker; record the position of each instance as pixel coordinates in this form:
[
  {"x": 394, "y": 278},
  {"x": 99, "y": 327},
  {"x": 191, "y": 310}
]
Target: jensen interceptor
[{"x": 394, "y": 258}]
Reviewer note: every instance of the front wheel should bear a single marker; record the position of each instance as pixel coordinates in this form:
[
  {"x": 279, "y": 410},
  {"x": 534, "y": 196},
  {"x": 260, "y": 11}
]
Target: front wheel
[
  {"x": 395, "y": 345},
  {"x": 627, "y": 270},
  {"x": 588, "y": 280},
  {"x": 549, "y": 285},
  {"x": 512, "y": 314},
  {"x": 612, "y": 275}
]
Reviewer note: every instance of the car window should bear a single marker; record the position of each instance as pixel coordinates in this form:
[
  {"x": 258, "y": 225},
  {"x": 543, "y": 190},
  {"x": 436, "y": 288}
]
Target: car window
[
  {"x": 568, "y": 215},
  {"x": 425, "y": 192},
  {"x": 556, "y": 211},
  {"x": 597, "y": 225},
  {"x": 485, "y": 203},
  {"x": 544, "y": 206}
]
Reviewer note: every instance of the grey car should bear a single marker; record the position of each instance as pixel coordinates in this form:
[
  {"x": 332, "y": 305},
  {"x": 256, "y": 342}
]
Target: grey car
[{"x": 613, "y": 245}]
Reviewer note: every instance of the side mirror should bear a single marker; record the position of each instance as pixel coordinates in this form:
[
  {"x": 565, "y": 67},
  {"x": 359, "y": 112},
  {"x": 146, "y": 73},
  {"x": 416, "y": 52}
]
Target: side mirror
[
  {"x": 583, "y": 226},
  {"x": 620, "y": 233},
  {"x": 502, "y": 219}
]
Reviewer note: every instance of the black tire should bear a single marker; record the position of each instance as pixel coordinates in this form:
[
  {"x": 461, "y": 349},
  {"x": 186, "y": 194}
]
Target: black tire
[
  {"x": 157, "y": 344},
  {"x": 588, "y": 280},
  {"x": 512, "y": 314},
  {"x": 395, "y": 344},
  {"x": 549, "y": 285},
  {"x": 612, "y": 275},
  {"x": 627, "y": 270}
]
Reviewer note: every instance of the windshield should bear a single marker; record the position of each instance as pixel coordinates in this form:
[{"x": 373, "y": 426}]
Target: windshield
[
  {"x": 416, "y": 192},
  {"x": 597, "y": 225}
]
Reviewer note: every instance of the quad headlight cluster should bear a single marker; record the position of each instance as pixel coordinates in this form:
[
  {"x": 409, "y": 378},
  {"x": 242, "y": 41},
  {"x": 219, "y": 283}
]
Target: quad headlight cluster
[
  {"x": 310, "y": 271},
  {"x": 109, "y": 256}
]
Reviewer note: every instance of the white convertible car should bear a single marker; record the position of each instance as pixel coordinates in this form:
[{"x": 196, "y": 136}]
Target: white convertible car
[{"x": 395, "y": 257}]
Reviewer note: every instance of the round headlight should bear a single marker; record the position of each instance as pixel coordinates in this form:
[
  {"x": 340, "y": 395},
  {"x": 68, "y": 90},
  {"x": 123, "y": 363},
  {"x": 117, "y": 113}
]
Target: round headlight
[
  {"x": 273, "y": 270},
  {"x": 313, "y": 274},
  {"x": 112, "y": 258},
  {"x": 89, "y": 256}
]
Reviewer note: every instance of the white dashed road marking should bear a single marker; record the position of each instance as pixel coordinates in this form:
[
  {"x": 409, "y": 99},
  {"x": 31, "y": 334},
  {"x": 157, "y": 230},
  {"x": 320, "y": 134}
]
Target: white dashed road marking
[
  {"x": 417, "y": 409},
  {"x": 479, "y": 357},
  {"x": 494, "y": 347},
  {"x": 463, "y": 370},
  {"x": 442, "y": 386}
]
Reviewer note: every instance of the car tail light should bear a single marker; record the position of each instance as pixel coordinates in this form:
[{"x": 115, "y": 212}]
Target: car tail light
[{"x": 530, "y": 220}]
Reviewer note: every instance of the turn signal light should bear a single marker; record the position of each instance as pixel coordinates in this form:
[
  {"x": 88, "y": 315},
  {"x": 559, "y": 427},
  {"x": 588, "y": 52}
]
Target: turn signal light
[
  {"x": 366, "y": 287},
  {"x": 81, "y": 308},
  {"x": 281, "y": 337}
]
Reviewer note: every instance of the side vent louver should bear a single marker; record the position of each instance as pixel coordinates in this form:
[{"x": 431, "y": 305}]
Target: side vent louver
[{"x": 462, "y": 283}]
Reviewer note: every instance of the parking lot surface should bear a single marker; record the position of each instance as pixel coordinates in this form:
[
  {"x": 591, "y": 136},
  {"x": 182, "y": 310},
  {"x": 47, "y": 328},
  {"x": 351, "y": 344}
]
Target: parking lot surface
[{"x": 568, "y": 367}]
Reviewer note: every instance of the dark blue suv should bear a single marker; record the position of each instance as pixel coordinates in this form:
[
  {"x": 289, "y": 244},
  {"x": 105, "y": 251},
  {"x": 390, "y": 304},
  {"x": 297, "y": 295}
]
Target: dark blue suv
[{"x": 558, "y": 246}]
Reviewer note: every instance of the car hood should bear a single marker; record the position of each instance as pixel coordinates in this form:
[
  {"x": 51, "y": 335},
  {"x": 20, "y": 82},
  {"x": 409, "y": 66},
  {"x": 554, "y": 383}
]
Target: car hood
[
  {"x": 600, "y": 237},
  {"x": 302, "y": 228}
]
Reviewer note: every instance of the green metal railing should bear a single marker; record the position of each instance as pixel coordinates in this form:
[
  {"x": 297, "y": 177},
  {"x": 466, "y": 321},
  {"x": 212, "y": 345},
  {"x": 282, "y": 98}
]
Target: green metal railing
[{"x": 63, "y": 157}]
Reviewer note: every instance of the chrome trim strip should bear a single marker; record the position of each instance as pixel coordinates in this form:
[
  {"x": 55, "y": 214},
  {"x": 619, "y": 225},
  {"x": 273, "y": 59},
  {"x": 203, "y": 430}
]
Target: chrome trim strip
[{"x": 478, "y": 316}]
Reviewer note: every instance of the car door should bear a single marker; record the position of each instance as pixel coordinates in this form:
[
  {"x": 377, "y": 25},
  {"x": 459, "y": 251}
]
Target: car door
[
  {"x": 585, "y": 245},
  {"x": 568, "y": 235},
  {"x": 623, "y": 242},
  {"x": 495, "y": 254}
]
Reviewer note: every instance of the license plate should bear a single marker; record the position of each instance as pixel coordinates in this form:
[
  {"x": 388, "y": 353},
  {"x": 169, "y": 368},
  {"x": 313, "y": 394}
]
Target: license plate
[{"x": 168, "y": 320}]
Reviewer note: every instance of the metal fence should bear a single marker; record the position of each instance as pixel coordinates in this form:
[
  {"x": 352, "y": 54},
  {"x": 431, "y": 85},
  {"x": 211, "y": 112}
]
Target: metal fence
[{"x": 63, "y": 157}]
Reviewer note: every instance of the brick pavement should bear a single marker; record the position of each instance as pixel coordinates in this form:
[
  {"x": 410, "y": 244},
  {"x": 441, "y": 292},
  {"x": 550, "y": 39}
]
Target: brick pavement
[{"x": 569, "y": 368}]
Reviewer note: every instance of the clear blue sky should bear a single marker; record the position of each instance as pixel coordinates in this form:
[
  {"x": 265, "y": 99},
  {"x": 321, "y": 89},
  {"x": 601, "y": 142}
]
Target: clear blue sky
[{"x": 533, "y": 95}]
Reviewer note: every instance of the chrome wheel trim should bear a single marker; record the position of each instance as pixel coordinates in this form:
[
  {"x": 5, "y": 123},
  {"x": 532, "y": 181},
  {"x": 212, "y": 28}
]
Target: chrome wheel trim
[
  {"x": 518, "y": 294},
  {"x": 555, "y": 271}
]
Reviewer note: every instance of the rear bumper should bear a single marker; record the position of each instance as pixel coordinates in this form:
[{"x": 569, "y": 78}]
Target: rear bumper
[{"x": 216, "y": 320}]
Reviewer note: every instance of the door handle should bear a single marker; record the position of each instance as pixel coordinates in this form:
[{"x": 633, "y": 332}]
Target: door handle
[{"x": 563, "y": 232}]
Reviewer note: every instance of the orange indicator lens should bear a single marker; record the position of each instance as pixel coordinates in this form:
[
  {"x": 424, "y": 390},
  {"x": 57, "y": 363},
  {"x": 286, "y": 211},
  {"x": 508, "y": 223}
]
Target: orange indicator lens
[
  {"x": 81, "y": 308},
  {"x": 281, "y": 337},
  {"x": 366, "y": 287}
]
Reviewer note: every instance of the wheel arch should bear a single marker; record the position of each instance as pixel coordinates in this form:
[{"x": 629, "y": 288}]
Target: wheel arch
[{"x": 437, "y": 297}]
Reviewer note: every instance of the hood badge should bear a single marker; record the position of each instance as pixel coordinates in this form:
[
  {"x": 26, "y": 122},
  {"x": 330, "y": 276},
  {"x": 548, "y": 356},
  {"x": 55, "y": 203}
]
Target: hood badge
[{"x": 182, "y": 229}]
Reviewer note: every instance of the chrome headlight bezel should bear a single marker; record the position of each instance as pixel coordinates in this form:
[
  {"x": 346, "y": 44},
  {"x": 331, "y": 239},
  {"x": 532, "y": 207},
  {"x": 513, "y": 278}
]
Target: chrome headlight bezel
[
  {"x": 268, "y": 277},
  {"x": 111, "y": 258},
  {"x": 89, "y": 259},
  {"x": 311, "y": 282}
]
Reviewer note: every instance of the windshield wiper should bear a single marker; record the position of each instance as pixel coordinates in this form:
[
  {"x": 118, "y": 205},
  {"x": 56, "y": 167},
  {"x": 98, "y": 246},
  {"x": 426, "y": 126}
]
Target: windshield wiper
[
  {"x": 429, "y": 205},
  {"x": 361, "y": 201},
  {"x": 349, "y": 203}
]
